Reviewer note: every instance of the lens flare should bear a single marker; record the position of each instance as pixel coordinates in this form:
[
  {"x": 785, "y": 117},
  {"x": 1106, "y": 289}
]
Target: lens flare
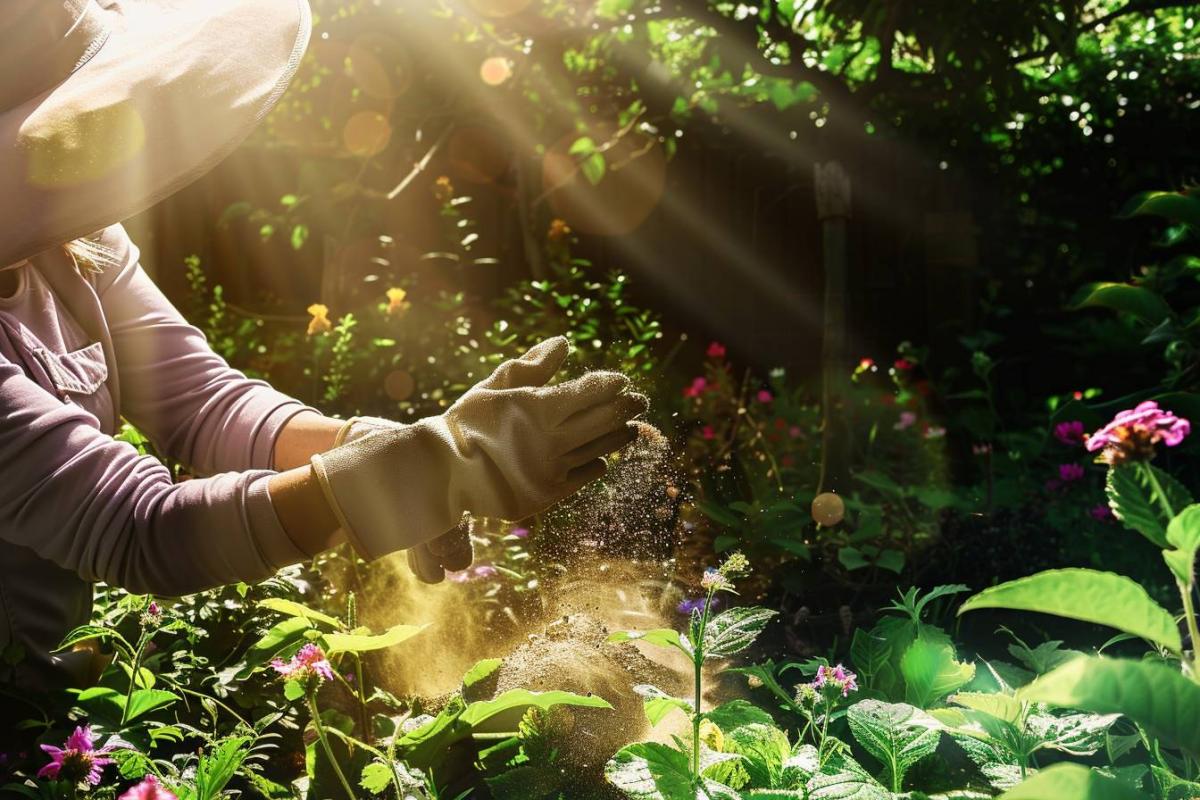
[
  {"x": 828, "y": 509},
  {"x": 367, "y": 133},
  {"x": 495, "y": 70}
]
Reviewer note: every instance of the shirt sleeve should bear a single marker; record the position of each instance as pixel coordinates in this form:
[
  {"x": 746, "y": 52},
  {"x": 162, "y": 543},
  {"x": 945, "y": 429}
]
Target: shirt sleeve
[
  {"x": 81, "y": 499},
  {"x": 192, "y": 405}
]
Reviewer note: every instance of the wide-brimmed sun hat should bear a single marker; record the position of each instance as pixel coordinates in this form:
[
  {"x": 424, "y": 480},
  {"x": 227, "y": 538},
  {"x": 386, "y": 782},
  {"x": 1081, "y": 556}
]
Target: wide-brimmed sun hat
[{"x": 108, "y": 106}]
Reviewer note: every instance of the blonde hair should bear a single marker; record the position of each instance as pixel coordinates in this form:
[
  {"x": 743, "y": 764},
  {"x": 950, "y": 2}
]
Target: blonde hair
[{"x": 90, "y": 257}]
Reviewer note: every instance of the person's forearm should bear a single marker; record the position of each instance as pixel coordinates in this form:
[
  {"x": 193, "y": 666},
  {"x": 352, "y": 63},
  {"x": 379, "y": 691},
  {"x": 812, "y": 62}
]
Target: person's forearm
[
  {"x": 304, "y": 435},
  {"x": 300, "y": 505}
]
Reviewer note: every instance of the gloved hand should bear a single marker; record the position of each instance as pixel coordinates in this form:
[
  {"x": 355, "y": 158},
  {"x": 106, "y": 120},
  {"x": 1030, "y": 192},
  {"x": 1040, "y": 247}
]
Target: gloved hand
[
  {"x": 510, "y": 447},
  {"x": 429, "y": 561}
]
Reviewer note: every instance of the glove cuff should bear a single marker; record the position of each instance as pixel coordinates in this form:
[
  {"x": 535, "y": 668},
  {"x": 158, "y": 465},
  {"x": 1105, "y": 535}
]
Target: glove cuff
[
  {"x": 356, "y": 428},
  {"x": 391, "y": 490}
]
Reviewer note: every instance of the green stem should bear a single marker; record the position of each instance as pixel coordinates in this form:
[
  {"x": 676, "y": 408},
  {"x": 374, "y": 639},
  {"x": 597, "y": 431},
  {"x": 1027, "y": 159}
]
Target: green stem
[
  {"x": 1185, "y": 591},
  {"x": 133, "y": 675},
  {"x": 697, "y": 667},
  {"x": 824, "y": 732},
  {"x": 316, "y": 719}
]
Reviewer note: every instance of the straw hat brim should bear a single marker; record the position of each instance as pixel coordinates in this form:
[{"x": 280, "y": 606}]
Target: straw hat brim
[{"x": 176, "y": 86}]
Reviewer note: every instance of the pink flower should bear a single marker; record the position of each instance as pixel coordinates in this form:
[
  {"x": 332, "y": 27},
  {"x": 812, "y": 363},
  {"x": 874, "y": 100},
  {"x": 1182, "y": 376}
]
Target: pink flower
[
  {"x": 698, "y": 387},
  {"x": 764, "y": 396},
  {"x": 520, "y": 533},
  {"x": 1133, "y": 434},
  {"x": 1069, "y": 433},
  {"x": 716, "y": 350},
  {"x": 1101, "y": 512},
  {"x": 462, "y": 576},
  {"x": 708, "y": 432},
  {"x": 838, "y": 678},
  {"x": 78, "y": 760},
  {"x": 484, "y": 571},
  {"x": 795, "y": 432},
  {"x": 713, "y": 580},
  {"x": 308, "y": 663},
  {"x": 1069, "y": 473},
  {"x": 148, "y": 789},
  {"x": 907, "y": 420}
]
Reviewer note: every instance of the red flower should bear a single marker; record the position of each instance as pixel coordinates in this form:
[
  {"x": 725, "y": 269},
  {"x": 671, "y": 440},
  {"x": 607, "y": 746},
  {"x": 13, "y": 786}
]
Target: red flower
[
  {"x": 716, "y": 350},
  {"x": 708, "y": 432},
  {"x": 903, "y": 364},
  {"x": 698, "y": 387},
  {"x": 764, "y": 396}
]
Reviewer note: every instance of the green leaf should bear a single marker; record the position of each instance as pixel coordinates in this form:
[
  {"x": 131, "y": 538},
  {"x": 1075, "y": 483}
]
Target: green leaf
[
  {"x": 891, "y": 560},
  {"x": 1077, "y": 734},
  {"x": 481, "y": 671},
  {"x": 1152, "y": 694},
  {"x": 1175, "y": 206},
  {"x": 478, "y": 712},
  {"x": 280, "y": 637},
  {"x": 732, "y": 631},
  {"x": 845, "y": 779},
  {"x": 376, "y": 777},
  {"x": 293, "y": 690},
  {"x": 931, "y": 672},
  {"x": 658, "y": 703},
  {"x": 1071, "y": 782},
  {"x": 896, "y": 734},
  {"x": 143, "y": 701},
  {"x": 869, "y": 653},
  {"x": 1142, "y": 303},
  {"x": 654, "y": 771},
  {"x": 359, "y": 642},
  {"x": 594, "y": 167},
  {"x": 1183, "y": 532},
  {"x": 1104, "y": 598},
  {"x": 293, "y": 609},
  {"x": 217, "y": 767},
  {"x": 735, "y": 714},
  {"x": 1001, "y": 706},
  {"x": 764, "y": 748},
  {"x": 1135, "y": 504},
  {"x": 85, "y": 632},
  {"x": 851, "y": 558},
  {"x": 660, "y": 637}
]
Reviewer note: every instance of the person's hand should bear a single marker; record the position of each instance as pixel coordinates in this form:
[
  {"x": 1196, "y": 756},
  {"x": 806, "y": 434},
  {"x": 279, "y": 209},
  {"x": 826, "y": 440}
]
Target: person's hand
[
  {"x": 429, "y": 561},
  {"x": 510, "y": 447}
]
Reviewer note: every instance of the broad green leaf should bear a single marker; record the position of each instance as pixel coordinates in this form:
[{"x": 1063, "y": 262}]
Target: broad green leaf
[
  {"x": 1001, "y": 706},
  {"x": 217, "y": 767},
  {"x": 731, "y": 715},
  {"x": 1183, "y": 532},
  {"x": 1071, "y": 782},
  {"x": 1175, "y": 206},
  {"x": 143, "y": 701},
  {"x": 658, "y": 703},
  {"x": 294, "y": 609},
  {"x": 1088, "y": 595},
  {"x": 764, "y": 748},
  {"x": 851, "y": 558},
  {"x": 869, "y": 653},
  {"x": 1146, "y": 305},
  {"x": 85, "y": 632},
  {"x": 845, "y": 779},
  {"x": 732, "y": 631},
  {"x": 654, "y": 771},
  {"x": 931, "y": 672},
  {"x": 481, "y": 671},
  {"x": 593, "y": 167},
  {"x": 280, "y": 637},
  {"x": 376, "y": 777},
  {"x": 293, "y": 690},
  {"x": 659, "y": 637},
  {"x": 362, "y": 642},
  {"x": 896, "y": 734},
  {"x": 1134, "y": 502},
  {"x": 1154, "y": 695},
  {"x": 1077, "y": 734},
  {"x": 476, "y": 713},
  {"x": 775, "y": 794},
  {"x": 800, "y": 766},
  {"x": 1173, "y": 786}
]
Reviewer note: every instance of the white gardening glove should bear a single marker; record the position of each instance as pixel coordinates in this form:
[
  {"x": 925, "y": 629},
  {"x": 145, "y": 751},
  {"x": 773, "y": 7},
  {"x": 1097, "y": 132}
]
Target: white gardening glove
[
  {"x": 429, "y": 561},
  {"x": 510, "y": 447}
]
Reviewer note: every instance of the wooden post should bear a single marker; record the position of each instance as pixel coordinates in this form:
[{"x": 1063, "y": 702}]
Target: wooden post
[{"x": 833, "y": 209}]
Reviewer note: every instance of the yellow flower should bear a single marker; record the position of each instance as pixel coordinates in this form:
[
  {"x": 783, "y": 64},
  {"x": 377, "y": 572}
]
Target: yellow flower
[
  {"x": 558, "y": 231},
  {"x": 396, "y": 304},
  {"x": 320, "y": 319},
  {"x": 443, "y": 189}
]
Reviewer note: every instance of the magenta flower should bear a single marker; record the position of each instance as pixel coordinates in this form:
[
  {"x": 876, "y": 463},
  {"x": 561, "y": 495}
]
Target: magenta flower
[
  {"x": 708, "y": 432},
  {"x": 714, "y": 580},
  {"x": 836, "y": 679},
  {"x": 1132, "y": 435},
  {"x": 716, "y": 350},
  {"x": 764, "y": 396},
  {"x": 699, "y": 386},
  {"x": 903, "y": 364},
  {"x": 1069, "y": 473},
  {"x": 520, "y": 533},
  {"x": 148, "y": 789},
  {"x": 907, "y": 420},
  {"x": 484, "y": 571},
  {"x": 308, "y": 663},
  {"x": 78, "y": 760},
  {"x": 1101, "y": 512},
  {"x": 1069, "y": 433}
]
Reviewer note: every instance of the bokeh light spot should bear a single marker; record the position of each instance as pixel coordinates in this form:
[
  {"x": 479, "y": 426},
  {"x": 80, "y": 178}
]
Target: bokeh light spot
[
  {"x": 379, "y": 65},
  {"x": 399, "y": 385},
  {"x": 828, "y": 509},
  {"x": 499, "y": 8},
  {"x": 367, "y": 133},
  {"x": 495, "y": 70}
]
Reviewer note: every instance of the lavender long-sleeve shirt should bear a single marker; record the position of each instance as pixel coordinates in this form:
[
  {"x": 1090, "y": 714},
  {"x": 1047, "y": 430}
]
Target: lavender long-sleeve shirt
[{"x": 76, "y": 506}]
